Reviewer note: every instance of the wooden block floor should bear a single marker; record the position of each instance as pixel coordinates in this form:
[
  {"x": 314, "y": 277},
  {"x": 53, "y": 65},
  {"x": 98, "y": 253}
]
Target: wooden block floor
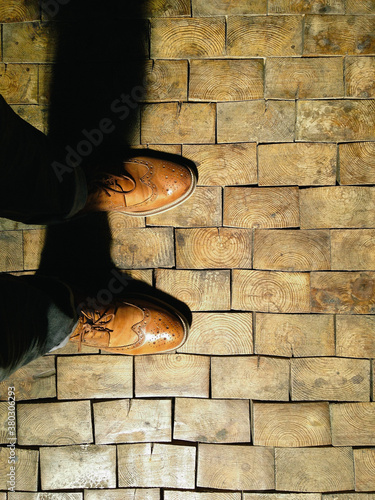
[{"x": 272, "y": 396}]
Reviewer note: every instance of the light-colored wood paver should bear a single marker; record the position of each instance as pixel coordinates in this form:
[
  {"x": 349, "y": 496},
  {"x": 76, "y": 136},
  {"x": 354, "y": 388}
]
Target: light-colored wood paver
[
  {"x": 19, "y": 83},
  {"x": 29, "y": 42},
  {"x": 310, "y": 7},
  {"x": 33, "y": 243},
  {"x": 291, "y": 425},
  {"x": 359, "y": 77},
  {"x": 45, "y": 496},
  {"x": 364, "y": 7},
  {"x": 350, "y": 496},
  {"x": 357, "y": 164},
  {"x": 282, "y": 496},
  {"x": 353, "y": 424},
  {"x": 165, "y": 80},
  {"x": 212, "y": 421},
  {"x": 251, "y": 377},
  {"x": 362, "y": 249},
  {"x": 22, "y": 467},
  {"x": 355, "y": 336},
  {"x": 294, "y": 335},
  {"x": 15, "y": 11},
  {"x": 156, "y": 465},
  {"x": 195, "y": 495},
  {"x": 132, "y": 421},
  {"x": 330, "y": 379},
  {"x": 7, "y": 431},
  {"x": 235, "y": 467},
  {"x": 364, "y": 466},
  {"x": 75, "y": 467},
  {"x": 11, "y": 251},
  {"x": 223, "y": 7},
  {"x": 123, "y": 494},
  {"x": 314, "y": 469}
]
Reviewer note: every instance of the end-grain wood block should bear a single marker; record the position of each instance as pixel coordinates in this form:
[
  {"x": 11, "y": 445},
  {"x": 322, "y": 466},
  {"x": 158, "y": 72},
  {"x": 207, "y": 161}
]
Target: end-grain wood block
[
  {"x": 291, "y": 424},
  {"x": 363, "y": 7},
  {"x": 33, "y": 243},
  {"x": 261, "y": 207},
  {"x": 226, "y": 80},
  {"x": 224, "y": 164},
  {"x": 132, "y": 420},
  {"x": 36, "y": 380},
  {"x": 332, "y": 379},
  {"x": 26, "y": 469},
  {"x": 360, "y": 76},
  {"x": 314, "y": 469},
  {"x": 343, "y": 292},
  {"x": 282, "y": 496},
  {"x": 19, "y": 83},
  {"x": 75, "y": 467},
  {"x": 123, "y": 494},
  {"x": 220, "y": 334},
  {"x": 6, "y": 434},
  {"x": 295, "y": 335},
  {"x": 361, "y": 243},
  {"x": 45, "y": 79},
  {"x": 210, "y": 248},
  {"x": 152, "y": 8},
  {"x": 270, "y": 291},
  {"x": 17, "y": 11},
  {"x": 292, "y": 250},
  {"x": 233, "y": 467},
  {"x": 187, "y": 38},
  {"x": 223, "y": 7},
  {"x": 29, "y": 42},
  {"x": 255, "y": 121},
  {"x": 212, "y": 421},
  {"x": 37, "y": 116},
  {"x": 202, "y": 209},
  {"x": 261, "y": 36},
  {"x": 337, "y": 207},
  {"x": 335, "y": 120},
  {"x": 355, "y": 336},
  {"x": 42, "y": 496},
  {"x": 143, "y": 248},
  {"x": 118, "y": 221},
  {"x": 174, "y": 123},
  {"x": 54, "y": 423},
  {"x": 339, "y": 35},
  {"x": 201, "y": 290},
  {"x": 304, "y": 78},
  {"x": 165, "y": 80},
  {"x": 302, "y": 164},
  {"x": 364, "y": 465},
  {"x": 250, "y": 377},
  {"x": 11, "y": 251},
  {"x": 349, "y": 496},
  {"x": 198, "y": 495},
  {"x": 172, "y": 375},
  {"x": 113, "y": 376},
  {"x": 156, "y": 465},
  {"x": 311, "y": 7},
  {"x": 353, "y": 424},
  {"x": 357, "y": 163}
]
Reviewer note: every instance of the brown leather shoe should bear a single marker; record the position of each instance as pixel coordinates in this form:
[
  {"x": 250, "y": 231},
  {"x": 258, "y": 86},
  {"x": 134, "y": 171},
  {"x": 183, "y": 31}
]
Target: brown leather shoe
[
  {"x": 144, "y": 186},
  {"x": 138, "y": 325}
]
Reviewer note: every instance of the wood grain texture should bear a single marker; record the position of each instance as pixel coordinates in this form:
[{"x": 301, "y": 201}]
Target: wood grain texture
[
  {"x": 172, "y": 375},
  {"x": 223, "y": 7},
  {"x": 75, "y": 467},
  {"x": 220, "y": 334},
  {"x": 343, "y": 292},
  {"x": 161, "y": 8},
  {"x": 350, "y": 496},
  {"x": 37, "y": 116},
  {"x": 226, "y": 80},
  {"x": 362, "y": 249},
  {"x": 268, "y": 291},
  {"x": 304, "y": 78},
  {"x": 156, "y": 465},
  {"x": 212, "y": 248},
  {"x": 174, "y": 123},
  {"x": 357, "y": 163},
  {"x": 294, "y": 335},
  {"x": 19, "y": 83},
  {"x": 264, "y": 36},
  {"x": 123, "y": 494},
  {"x": 335, "y": 120},
  {"x": 6, "y": 434},
  {"x": 337, "y": 207},
  {"x": 261, "y": 207},
  {"x": 165, "y": 80},
  {"x": 235, "y": 467},
  {"x": 282, "y": 496},
  {"x": 330, "y": 379},
  {"x": 187, "y": 38},
  {"x": 212, "y": 421},
  {"x": 359, "y": 77},
  {"x": 291, "y": 250},
  {"x": 17, "y": 11},
  {"x": 353, "y": 424},
  {"x": 363, "y": 7},
  {"x": 41, "y": 496},
  {"x": 33, "y": 243},
  {"x": 314, "y": 469},
  {"x": 198, "y": 289},
  {"x": 200, "y": 495},
  {"x": 255, "y": 121},
  {"x": 11, "y": 251},
  {"x": 311, "y": 7},
  {"x": 118, "y": 221},
  {"x": 339, "y": 35},
  {"x": 291, "y": 424},
  {"x": 224, "y": 164},
  {"x": 251, "y": 377},
  {"x": 112, "y": 375},
  {"x": 355, "y": 336},
  {"x": 29, "y": 42},
  {"x": 26, "y": 469},
  {"x": 202, "y": 209},
  {"x": 54, "y": 424},
  {"x": 364, "y": 465}
]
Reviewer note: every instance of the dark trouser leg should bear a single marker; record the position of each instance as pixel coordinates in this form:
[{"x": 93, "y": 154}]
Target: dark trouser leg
[
  {"x": 30, "y": 190},
  {"x": 36, "y": 314}
]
